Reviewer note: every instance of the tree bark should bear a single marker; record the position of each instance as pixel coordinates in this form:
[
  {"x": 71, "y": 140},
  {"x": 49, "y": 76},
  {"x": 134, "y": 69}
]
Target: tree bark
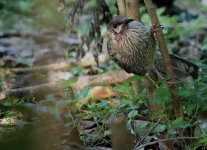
[
  {"x": 122, "y": 7},
  {"x": 132, "y": 7}
]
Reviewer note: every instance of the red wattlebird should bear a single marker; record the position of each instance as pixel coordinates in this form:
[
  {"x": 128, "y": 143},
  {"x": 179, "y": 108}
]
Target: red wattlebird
[{"x": 133, "y": 48}]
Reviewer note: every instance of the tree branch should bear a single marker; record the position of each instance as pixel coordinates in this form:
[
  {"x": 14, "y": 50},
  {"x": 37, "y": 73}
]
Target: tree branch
[{"x": 165, "y": 55}]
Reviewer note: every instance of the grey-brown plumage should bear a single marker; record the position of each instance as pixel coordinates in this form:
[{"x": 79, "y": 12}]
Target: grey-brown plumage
[
  {"x": 133, "y": 48},
  {"x": 181, "y": 67}
]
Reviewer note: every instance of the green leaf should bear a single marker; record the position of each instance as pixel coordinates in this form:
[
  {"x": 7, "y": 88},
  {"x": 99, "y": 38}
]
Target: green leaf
[
  {"x": 90, "y": 5},
  {"x": 107, "y": 133},
  {"x": 66, "y": 53},
  {"x": 179, "y": 124},
  {"x": 112, "y": 7},
  {"x": 102, "y": 103},
  {"x": 123, "y": 88},
  {"x": 161, "y": 94},
  {"x": 93, "y": 107},
  {"x": 84, "y": 92},
  {"x": 24, "y": 5},
  {"x": 69, "y": 82},
  {"x": 160, "y": 11},
  {"x": 84, "y": 29},
  {"x": 191, "y": 109},
  {"x": 144, "y": 125},
  {"x": 185, "y": 91},
  {"x": 129, "y": 123},
  {"x": 132, "y": 114},
  {"x": 160, "y": 128},
  {"x": 133, "y": 78},
  {"x": 201, "y": 142},
  {"x": 76, "y": 70}
]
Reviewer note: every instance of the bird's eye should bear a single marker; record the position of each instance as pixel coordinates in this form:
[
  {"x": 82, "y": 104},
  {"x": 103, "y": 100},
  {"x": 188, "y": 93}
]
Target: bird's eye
[{"x": 114, "y": 26}]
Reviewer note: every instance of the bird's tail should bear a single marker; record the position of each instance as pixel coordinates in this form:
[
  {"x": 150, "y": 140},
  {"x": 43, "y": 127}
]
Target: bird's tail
[{"x": 181, "y": 67}]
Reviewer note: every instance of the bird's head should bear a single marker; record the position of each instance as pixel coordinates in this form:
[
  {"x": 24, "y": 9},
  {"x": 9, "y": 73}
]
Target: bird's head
[{"x": 118, "y": 25}]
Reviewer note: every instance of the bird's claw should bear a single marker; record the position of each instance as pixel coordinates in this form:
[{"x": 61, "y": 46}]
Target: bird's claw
[{"x": 156, "y": 27}]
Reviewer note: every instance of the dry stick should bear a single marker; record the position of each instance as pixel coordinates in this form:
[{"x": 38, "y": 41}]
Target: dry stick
[
  {"x": 111, "y": 77},
  {"x": 150, "y": 88},
  {"x": 122, "y": 7},
  {"x": 132, "y": 7},
  {"x": 163, "y": 140},
  {"x": 165, "y": 55},
  {"x": 152, "y": 128}
]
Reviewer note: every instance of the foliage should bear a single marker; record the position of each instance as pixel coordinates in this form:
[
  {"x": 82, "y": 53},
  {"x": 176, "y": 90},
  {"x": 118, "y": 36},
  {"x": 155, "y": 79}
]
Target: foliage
[
  {"x": 193, "y": 98},
  {"x": 193, "y": 95},
  {"x": 13, "y": 10}
]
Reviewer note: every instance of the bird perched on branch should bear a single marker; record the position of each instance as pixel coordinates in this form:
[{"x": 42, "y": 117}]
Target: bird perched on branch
[{"x": 133, "y": 48}]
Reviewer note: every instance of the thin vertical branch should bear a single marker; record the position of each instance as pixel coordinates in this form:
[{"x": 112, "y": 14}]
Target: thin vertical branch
[
  {"x": 150, "y": 88},
  {"x": 132, "y": 7},
  {"x": 122, "y": 7},
  {"x": 165, "y": 55}
]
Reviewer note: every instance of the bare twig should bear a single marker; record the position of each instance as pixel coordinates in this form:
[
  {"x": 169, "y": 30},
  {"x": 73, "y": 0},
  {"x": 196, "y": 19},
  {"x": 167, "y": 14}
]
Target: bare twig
[
  {"x": 150, "y": 88},
  {"x": 152, "y": 128},
  {"x": 165, "y": 55},
  {"x": 162, "y": 140}
]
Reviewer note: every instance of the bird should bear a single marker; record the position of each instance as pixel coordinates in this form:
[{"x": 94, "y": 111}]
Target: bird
[{"x": 133, "y": 48}]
